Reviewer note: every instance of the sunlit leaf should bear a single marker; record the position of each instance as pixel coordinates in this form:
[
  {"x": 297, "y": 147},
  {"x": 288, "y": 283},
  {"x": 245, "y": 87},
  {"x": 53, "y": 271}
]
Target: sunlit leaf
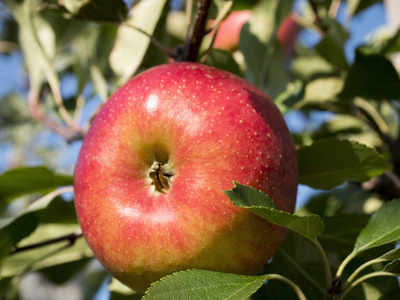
[
  {"x": 48, "y": 257},
  {"x": 382, "y": 228},
  {"x": 120, "y": 291},
  {"x": 261, "y": 205},
  {"x": 12, "y": 230},
  {"x": 131, "y": 44},
  {"x": 203, "y": 284}
]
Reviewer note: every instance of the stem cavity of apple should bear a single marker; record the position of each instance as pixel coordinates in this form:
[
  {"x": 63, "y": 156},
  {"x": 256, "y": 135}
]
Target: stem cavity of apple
[{"x": 161, "y": 177}]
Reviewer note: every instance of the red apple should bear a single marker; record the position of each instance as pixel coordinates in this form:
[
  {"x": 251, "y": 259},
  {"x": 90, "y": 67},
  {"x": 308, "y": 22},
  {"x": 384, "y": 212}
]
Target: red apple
[
  {"x": 228, "y": 34},
  {"x": 151, "y": 170},
  {"x": 287, "y": 35}
]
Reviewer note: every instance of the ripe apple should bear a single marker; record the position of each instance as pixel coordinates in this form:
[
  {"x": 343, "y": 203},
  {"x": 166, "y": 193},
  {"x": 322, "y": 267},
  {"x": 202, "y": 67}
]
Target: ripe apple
[
  {"x": 151, "y": 170},
  {"x": 228, "y": 34},
  {"x": 287, "y": 35}
]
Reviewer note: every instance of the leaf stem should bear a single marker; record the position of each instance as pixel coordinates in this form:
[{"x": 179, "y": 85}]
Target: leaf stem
[
  {"x": 363, "y": 278},
  {"x": 344, "y": 263},
  {"x": 325, "y": 261},
  {"x": 362, "y": 267},
  {"x": 294, "y": 286},
  {"x": 51, "y": 76},
  {"x": 373, "y": 115}
]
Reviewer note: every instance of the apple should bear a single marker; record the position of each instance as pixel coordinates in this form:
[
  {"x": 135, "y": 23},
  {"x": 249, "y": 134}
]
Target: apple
[
  {"x": 228, "y": 34},
  {"x": 287, "y": 35},
  {"x": 152, "y": 168}
]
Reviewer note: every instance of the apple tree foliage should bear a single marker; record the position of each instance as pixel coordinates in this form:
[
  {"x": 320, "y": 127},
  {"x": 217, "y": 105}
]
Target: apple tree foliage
[{"x": 341, "y": 242}]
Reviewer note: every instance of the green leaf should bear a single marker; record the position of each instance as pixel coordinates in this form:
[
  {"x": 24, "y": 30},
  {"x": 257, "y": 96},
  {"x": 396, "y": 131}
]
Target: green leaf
[
  {"x": 27, "y": 180},
  {"x": 131, "y": 44},
  {"x": 37, "y": 40},
  {"x": 341, "y": 231},
  {"x": 51, "y": 257},
  {"x": 299, "y": 260},
  {"x": 204, "y": 284},
  {"x": 393, "y": 267},
  {"x": 61, "y": 273},
  {"x": 393, "y": 44},
  {"x": 331, "y": 47},
  {"x": 13, "y": 111},
  {"x": 260, "y": 204},
  {"x": 12, "y": 230},
  {"x": 371, "y": 76},
  {"x": 330, "y": 162},
  {"x": 382, "y": 228},
  {"x": 307, "y": 66},
  {"x": 4, "y": 283},
  {"x": 59, "y": 211},
  {"x": 261, "y": 49},
  {"x": 120, "y": 291},
  {"x": 224, "y": 61},
  {"x": 322, "y": 94},
  {"x": 395, "y": 253},
  {"x": 357, "y": 6},
  {"x": 340, "y": 124},
  {"x": 95, "y": 10}
]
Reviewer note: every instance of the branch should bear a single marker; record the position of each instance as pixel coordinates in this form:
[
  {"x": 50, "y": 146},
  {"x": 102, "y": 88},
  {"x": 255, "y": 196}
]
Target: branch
[
  {"x": 69, "y": 134},
  {"x": 193, "y": 43},
  {"x": 70, "y": 238},
  {"x": 318, "y": 19},
  {"x": 214, "y": 28}
]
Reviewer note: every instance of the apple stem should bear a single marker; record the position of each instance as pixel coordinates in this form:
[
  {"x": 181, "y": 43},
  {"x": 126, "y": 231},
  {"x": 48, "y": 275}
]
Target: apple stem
[
  {"x": 161, "y": 177},
  {"x": 193, "y": 42}
]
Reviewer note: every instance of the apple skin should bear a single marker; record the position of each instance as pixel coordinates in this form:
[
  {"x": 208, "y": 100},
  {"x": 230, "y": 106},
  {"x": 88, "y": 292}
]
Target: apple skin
[
  {"x": 208, "y": 128},
  {"x": 287, "y": 34},
  {"x": 228, "y": 34}
]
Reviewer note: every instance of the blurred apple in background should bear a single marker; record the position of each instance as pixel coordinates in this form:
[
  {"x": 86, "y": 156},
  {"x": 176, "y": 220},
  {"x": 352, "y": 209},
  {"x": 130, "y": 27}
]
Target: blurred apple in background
[
  {"x": 151, "y": 172},
  {"x": 228, "y": 34}
]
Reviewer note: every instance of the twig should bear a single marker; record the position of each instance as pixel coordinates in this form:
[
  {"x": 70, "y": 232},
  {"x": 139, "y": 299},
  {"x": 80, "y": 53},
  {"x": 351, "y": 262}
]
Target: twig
[
  {"x": 214, "y": 28},
  {"x": 374, "y": 116},
  {"x": 192, "y": 45},
  {"x": 153, "y": 40},
  {"x": 68, "y": 133},
  {"x": 318, "y": 20},
  {"x": 70, "y": 238}
]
